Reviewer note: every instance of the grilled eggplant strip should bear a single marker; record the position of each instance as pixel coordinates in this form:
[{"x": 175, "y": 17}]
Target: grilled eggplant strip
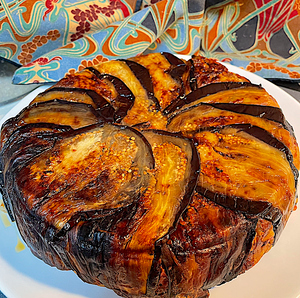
[
  {"x": 204, "y": 91},
  {"x": 65, "y": 180},
  {"x": 142, "y": 74},
  {"x": 176, "y": 159},
  {"x": 89, "y": 97},
  {"x": 166, "y": 88},
  {"x": 58, "y": 112},
  {"x": 259, "y": 190},
  {"x": 242, "y": 93},
  {"x": 145, "y": 106},
  {"x": 203, "y": 115}
]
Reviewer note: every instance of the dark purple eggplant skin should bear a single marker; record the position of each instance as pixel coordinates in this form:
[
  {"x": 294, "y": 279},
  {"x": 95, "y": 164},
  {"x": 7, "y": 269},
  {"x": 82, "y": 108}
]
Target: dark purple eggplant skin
[
  {"x": 125, "y": 98},
  {"x": 179, "y": 67},
  {"x": 192, "y": 78},
  {"x": 205, "y": 91},
  {"x": 265, "y": 112},
  {"x": 262, "y": 209},
  {"x": 143, "y": 75},
  {"x": 97, "y": 98}
]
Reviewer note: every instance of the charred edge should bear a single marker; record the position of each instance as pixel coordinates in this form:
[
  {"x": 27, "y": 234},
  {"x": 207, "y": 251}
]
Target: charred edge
[
  {"x": 154, "y": 274},
  {"x": 265, "y": 112},
  {"x": 39, "y": 231},
  {"x": 205, "y": 91},
  {"x": 176, "y": 71},
  {"x": 125, "y": 97},
  {"x": 192, "y": 78},
  {"x": 106, "y": 219},
  {"x": 22, "y": 131},
  {"x": 5, "y": 197},
  {"x": 247, "y": 245},
  {"x": 97, "y": 98},
  {"x": 262, "y": 209},
  {"x": 93, "y": 243},
  {"x": 143, "y": 75}
]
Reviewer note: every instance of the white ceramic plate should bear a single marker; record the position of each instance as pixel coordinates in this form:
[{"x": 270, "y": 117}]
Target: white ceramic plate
[{"x": 277, "y": 275}]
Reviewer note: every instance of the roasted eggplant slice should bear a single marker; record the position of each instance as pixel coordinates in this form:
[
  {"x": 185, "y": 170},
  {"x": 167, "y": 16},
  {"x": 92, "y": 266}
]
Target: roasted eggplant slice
[
  {"x": 66, "y": 179},
  {"x": 89, "y": 97},
  {"x": 176, "y": 160},
  {"x": 242, "y": 172},
  {"x": 166, "y": 88},
  {"x": 204, "y": 114},
  {"x": 58, "y": 112},
  {"x": 142, "y": 106},
  {"x": 227, "y": 92}
]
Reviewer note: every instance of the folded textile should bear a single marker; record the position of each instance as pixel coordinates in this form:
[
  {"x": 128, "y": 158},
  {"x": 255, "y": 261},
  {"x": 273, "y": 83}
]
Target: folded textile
[
  {"x": 261, "y": 36},
  {"x": 169, "y": 25},
  {"x": 51, "y": 38}
]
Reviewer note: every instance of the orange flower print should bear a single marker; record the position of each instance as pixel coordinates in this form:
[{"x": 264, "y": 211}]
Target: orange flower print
[
  {"x": 88, "y": 63},
  {"x": 294, "y": 75},
  {"x": 40, "y": 40},
  {"x": 29, "y": 47},
  {"x": 254, "y": 66},
  {"x": 24, "y": 58},
  {"x": 53, "y": 35}
]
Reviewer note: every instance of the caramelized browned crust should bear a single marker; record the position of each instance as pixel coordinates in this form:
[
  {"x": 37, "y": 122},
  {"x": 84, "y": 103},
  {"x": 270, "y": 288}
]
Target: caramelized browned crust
[{"x": 153, "y": 176}]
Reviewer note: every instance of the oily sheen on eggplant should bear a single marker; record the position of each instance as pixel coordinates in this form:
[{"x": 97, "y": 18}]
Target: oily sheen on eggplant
[{"x": 153, "y": 176}]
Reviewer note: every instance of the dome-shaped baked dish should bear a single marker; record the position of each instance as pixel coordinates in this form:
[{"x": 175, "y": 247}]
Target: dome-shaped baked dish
[{"x": 152, "y": 176}]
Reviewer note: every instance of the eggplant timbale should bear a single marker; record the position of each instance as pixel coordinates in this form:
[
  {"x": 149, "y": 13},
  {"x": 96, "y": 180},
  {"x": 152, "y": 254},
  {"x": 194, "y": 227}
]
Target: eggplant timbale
[{"x": 153, "y": 176}]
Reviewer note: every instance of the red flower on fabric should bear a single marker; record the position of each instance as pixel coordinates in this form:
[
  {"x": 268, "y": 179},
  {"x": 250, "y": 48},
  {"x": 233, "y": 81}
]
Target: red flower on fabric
[
  {"x": 84, "y": 18},
  {"x": 43, "y": 61}
]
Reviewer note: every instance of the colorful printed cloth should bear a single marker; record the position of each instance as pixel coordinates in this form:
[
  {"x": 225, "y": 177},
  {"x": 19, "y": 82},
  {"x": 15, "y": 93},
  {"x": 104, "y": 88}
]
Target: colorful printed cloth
[
  {"x": 262, "y": 36},
  {"x": 51, "y": 38}
]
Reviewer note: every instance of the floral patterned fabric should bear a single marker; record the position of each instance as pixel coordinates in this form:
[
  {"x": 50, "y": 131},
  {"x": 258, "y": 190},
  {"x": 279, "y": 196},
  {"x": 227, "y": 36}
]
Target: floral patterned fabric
[
  {"x": 261, "y": 36},
  {"x": 50, "y": 38}
]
